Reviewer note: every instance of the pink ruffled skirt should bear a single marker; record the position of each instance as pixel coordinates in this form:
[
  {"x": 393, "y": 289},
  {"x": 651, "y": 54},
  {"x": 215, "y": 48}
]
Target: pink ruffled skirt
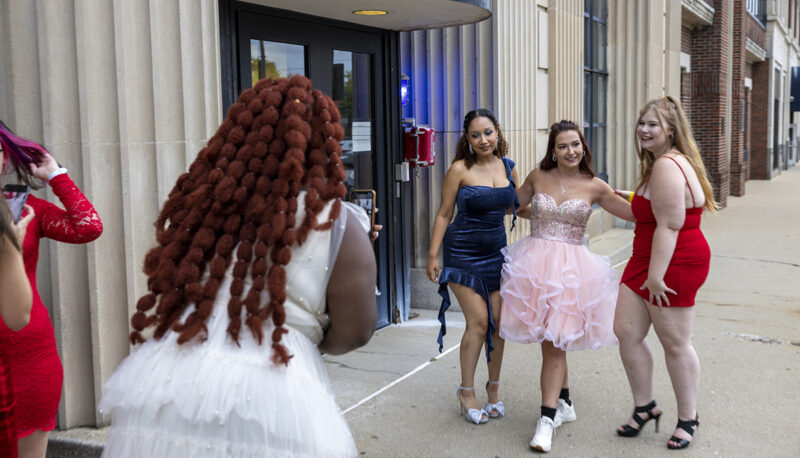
[{"x": 559, "y": 292}]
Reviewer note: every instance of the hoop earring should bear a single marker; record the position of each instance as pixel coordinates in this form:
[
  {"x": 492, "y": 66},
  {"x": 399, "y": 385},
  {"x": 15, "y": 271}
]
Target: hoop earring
[{"x": 555, "y": 159}]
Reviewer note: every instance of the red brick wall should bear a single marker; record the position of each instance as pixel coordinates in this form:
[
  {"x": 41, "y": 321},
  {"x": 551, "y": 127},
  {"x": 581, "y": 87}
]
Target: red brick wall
[
  {"x": 759, "y": 160},
  {"x": 749, "y": 132},
  {"x": 758, "y": 105},
  {"x": 737, "y": 166},
  {"x": 709, "y": 98},
  {"x": 748, "y": 73},
  {"x": 686, "y": 78},
  {"x": 753, "y": 30}
]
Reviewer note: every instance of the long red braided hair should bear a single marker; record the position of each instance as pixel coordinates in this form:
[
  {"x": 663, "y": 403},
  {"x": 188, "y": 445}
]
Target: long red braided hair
[{"x": 241, "y": 194}]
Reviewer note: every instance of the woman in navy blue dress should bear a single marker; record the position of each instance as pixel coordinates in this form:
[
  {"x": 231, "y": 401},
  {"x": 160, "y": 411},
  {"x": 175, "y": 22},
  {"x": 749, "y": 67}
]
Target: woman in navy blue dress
[{"x": 481, "y": 182}]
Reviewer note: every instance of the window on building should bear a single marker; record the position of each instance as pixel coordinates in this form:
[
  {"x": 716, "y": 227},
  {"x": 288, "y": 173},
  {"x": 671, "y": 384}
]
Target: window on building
[
  {"x": 776, "y": 121},
  {"x": 758, "y": 8},
  {"x": 270, "y": 59},
  {"x": 595, "y": 79}
]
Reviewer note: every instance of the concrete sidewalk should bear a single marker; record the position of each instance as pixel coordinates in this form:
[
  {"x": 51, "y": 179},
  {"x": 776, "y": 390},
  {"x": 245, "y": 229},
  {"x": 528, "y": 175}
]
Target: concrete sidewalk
[{"x": 398, "y": 392}]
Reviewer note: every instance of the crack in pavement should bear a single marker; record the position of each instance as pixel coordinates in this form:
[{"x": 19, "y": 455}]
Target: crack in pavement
[
  {"x": 373, "y": 371},
  {"x": 768, "y": 261},
  {"x": 755, "y": 338}
]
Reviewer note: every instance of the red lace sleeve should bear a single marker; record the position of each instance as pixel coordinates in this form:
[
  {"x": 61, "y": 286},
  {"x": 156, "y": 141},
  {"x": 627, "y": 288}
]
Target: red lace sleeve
[{"x": 79, "y": 223}]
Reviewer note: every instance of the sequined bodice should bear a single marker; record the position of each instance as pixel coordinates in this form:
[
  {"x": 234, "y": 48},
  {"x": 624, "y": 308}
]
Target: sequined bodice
[{"x": 565, "y": 222}]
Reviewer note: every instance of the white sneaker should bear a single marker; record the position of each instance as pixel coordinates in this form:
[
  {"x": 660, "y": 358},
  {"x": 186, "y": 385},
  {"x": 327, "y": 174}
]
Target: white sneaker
[
  {"x": 543, "y": 438},
  {"x": 565, "y": 413}
]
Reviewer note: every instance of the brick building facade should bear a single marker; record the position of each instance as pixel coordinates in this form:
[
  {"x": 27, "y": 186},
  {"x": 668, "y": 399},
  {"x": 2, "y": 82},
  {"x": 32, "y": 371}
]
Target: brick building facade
[{"x": 736, "y": 64}]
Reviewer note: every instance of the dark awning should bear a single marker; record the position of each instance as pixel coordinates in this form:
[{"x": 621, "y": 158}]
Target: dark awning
[{"x": 402, "y": 14}]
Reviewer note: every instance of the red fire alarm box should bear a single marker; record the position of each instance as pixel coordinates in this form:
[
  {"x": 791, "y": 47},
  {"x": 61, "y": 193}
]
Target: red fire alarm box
[{"x": 419, "y": 146}]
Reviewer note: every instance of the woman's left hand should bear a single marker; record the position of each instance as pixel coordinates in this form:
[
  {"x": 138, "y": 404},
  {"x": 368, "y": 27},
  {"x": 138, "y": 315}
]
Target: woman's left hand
[
  {"x": 658, "y": 291},
  {"x": 624, "y": 193},
  {"x": 21, "y": 226},
  {"x": 376, "y": 229},
  {"x": 44, "y": 168}
]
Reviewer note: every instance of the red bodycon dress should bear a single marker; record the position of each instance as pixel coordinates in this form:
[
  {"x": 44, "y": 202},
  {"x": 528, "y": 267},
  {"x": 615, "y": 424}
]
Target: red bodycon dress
[
  {"x": 8, "y": 424},
  {"x": 690, "y": 261},
  {"x": 36, "y": 372}
]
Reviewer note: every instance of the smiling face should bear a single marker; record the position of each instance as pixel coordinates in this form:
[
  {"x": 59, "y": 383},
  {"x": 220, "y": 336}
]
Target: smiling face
[
  {"x": 568, "y": 149},
  {"x": 653, "y": 134},
  {"x": 482, "y": 135}
]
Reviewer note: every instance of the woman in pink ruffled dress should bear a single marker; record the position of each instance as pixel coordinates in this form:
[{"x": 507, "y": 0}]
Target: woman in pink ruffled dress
[{"x": 555, "y": 291}]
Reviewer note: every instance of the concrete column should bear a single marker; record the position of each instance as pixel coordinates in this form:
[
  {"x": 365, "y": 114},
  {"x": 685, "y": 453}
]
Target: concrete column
[
  {"x": 521, "y": 70},
  {"x": 68, "y": 264},
  {"x": 566, "y": 61},
  {"x": 644, "y": 62},
  {"x": 140, "y": 200},
  {"x": 165, "y": 42},
  {"x": 98, "y": 97}
]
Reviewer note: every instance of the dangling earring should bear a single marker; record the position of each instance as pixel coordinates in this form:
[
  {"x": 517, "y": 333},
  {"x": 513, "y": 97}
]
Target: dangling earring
[
  {"x": 470, "y": 148},
  {"x": 555, "y": 159}
]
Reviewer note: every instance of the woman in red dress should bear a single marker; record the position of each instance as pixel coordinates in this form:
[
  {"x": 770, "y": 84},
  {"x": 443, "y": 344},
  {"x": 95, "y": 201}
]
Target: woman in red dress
[
  {"x": 36, "y": 371},
  {"x": 669, "y": 263},
  {"x": 15, "y": 309}
]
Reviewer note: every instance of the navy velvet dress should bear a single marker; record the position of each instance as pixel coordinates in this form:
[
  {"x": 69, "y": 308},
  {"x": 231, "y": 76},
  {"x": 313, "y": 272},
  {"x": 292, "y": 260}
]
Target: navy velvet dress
[{"x": 473, "y": 242}]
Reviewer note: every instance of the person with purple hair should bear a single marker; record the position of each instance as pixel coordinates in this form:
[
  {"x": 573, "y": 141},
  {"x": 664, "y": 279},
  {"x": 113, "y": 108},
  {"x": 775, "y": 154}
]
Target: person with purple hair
[
  {"x": 16, "y": 299},
  {"x": 36, "y": 371}
]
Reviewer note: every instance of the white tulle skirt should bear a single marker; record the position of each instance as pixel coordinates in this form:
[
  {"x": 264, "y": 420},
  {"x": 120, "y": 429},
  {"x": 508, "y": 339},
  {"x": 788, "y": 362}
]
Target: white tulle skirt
[
  {"x": 558, "y": 292},
  {"x": 219, "y": 400}
]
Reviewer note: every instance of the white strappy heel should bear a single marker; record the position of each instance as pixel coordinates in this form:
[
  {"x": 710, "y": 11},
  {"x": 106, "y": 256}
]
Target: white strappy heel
[
  {"x": 497, "y": 409},
  {"x": 477, "y": 416}
]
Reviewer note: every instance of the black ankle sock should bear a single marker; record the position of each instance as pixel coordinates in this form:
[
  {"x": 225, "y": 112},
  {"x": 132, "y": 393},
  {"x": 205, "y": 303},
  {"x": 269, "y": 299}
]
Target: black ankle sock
[
  {"x": 565, "y": 396},
  {"x": 549, "y": 412}
]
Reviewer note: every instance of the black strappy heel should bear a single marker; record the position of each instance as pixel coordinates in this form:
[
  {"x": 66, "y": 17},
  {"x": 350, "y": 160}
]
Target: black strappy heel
[
  {"x": 690, "y": 426},
  {"x": 629, "y": 431}
]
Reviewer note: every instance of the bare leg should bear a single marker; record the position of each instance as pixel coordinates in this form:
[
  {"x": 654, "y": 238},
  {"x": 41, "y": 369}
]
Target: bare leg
[
  {"x": 631, "y": 325},
  {"x": 474, "y": 308},
  {"x": 554, "y": 368},
  {"x": 33, "y": 446},
  {"x": 496, "y": 363},
  {"x": 674, "y": 329}
]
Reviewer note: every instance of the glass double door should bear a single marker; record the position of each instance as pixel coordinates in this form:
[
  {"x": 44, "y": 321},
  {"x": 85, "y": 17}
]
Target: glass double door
[{"x": 342, "y": 64}]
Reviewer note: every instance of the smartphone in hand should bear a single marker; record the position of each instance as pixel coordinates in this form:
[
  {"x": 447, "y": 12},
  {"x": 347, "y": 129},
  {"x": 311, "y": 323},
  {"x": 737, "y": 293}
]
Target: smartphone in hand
[
  {"x": 16, "y": 195},
  {"x": 365, "y": 198}
]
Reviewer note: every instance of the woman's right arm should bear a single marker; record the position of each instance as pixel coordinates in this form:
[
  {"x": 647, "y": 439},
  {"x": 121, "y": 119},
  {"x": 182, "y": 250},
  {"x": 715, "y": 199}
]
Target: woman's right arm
[
  {"x": 524, "y": 195},
  {"x": 351, "y": 292},
  {"x": 667, "y": 200},
  {"x": 452, "y": 181},
  {"x": 525, "y": 190}
]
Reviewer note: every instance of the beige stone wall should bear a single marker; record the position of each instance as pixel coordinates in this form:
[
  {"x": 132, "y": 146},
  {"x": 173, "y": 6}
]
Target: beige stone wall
[
  {"x": 124, "y": 94},
  {"x": 644, "y": 62}
]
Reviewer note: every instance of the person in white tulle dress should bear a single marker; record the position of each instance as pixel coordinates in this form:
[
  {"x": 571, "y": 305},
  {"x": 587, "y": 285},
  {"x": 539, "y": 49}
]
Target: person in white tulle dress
[
  {"x": 555, "y": 291},
  {"x": 259, "y": 265}
]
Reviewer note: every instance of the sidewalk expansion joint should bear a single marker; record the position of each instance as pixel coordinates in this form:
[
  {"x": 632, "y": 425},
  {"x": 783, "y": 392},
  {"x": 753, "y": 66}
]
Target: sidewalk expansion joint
[{"x": 768, "y": 261}]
